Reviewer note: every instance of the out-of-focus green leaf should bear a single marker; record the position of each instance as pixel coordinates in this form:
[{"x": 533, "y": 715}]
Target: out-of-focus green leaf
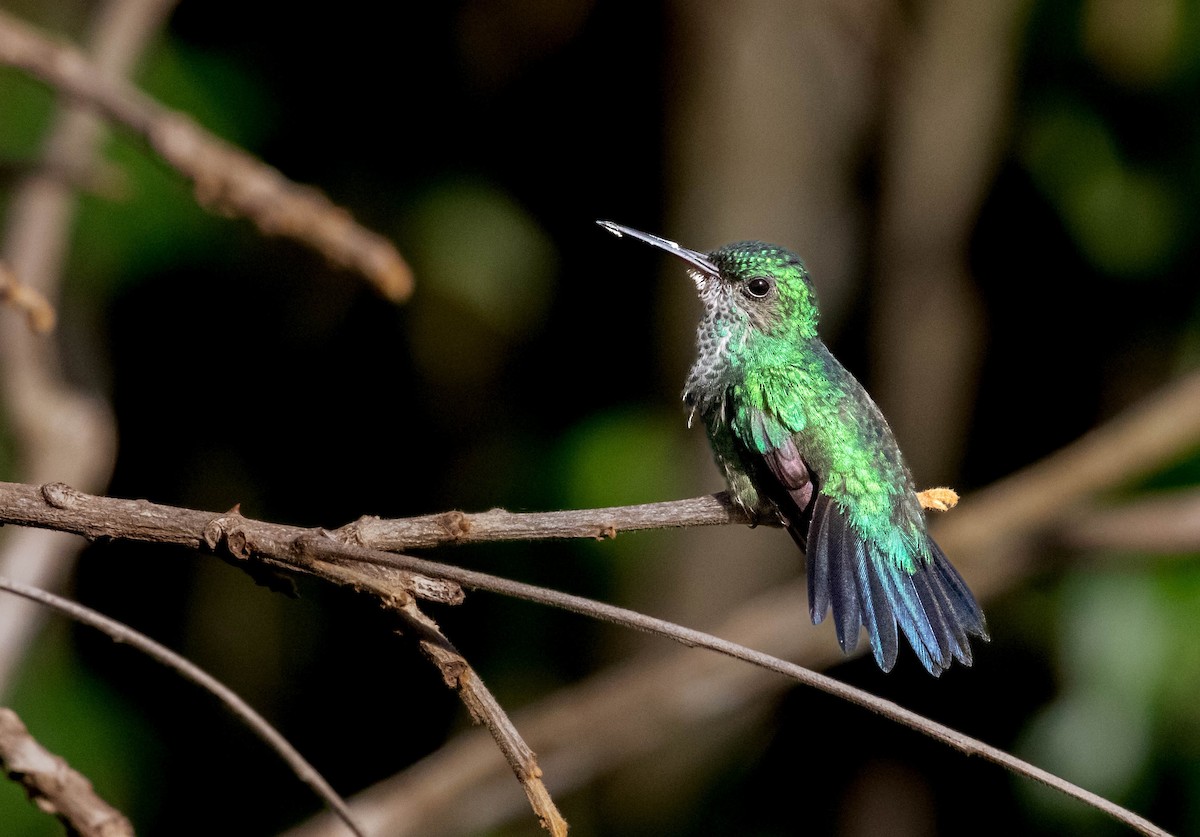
[
  {"x": 474, "y": 243},
  {"x": 622, "y": 457},
  {"x": 1127, "y": 663},
  {"x": 1139, "y": 44},
  {"x": 26, "y": 107},
  {"x": 487, "y": 271},
  {"x": 1126, "y": 221},
  {"x": 1089, "y": 738},
  {"x": 1130, "y": 669}
]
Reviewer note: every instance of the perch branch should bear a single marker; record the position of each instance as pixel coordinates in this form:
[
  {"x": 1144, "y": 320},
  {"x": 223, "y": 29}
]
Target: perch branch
[
  {"x": 455, "y": 527},
  {"x": 990, "y": 537},
  {"x": 226, "y": 179},
  {"x": 986, "y": 537},
  {"x": 124, "y": 634},
  {"x": 239, "y": 539},
  {"x": 283, "y": 546},
  {"x": 54, "y": 786}
]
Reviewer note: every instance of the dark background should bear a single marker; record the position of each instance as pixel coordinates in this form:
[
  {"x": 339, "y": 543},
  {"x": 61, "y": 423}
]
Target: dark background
[{"x": 538, "y": 367}]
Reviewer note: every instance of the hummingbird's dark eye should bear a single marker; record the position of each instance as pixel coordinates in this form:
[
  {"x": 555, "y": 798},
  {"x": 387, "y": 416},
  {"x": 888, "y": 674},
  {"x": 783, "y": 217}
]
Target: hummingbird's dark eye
[{"x": 758, "y": 287}]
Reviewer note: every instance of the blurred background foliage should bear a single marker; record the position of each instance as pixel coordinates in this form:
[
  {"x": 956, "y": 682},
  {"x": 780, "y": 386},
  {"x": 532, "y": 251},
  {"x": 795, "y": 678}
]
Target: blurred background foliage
[{"x": 538, "y": 367}]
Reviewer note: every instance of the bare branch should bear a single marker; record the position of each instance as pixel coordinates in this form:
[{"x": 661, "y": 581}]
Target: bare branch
[
  {"x": 1137, "y": 442},
  {"x": 73, "y": 511},
  {"x": 1167, "y": 522},
  {"x": 632, "y": 709},
  {"x": 226, "y": 179},
  {"x": 984, "y": 536},
  {"x": 54, "y": 786},
  {"x": 61, "y": 430},
  {"x": 456, "y": 527},
  {"x": 126, "y": 635},
  {"x": 697, "y": 639},
  {"x": 499, "y": 525},
  {"x": 485, "y": 709}
]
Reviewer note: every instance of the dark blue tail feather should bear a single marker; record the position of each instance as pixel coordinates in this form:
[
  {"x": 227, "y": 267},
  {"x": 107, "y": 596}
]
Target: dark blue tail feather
[{"x": 847, "y": 574}]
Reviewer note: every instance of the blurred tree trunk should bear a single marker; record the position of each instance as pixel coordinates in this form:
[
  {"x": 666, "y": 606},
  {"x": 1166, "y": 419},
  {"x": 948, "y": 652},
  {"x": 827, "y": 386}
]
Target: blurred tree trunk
[
  {"x": 777, "y": 111},
  {"x": 945, "y": 130}
]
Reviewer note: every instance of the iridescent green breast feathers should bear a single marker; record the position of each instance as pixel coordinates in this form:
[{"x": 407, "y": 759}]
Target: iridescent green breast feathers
[{"x": 800, "y": 441}]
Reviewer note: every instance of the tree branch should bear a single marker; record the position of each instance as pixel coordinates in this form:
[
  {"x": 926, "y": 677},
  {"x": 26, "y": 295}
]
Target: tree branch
[
  {"x": 457, "y": 527},
  {"x": 122, "y": 633},
  {"x": 1164, "y": 522},
  {"x": 54, "y": 786},
  {"x": 991, "y": 524},
  {"x": 69, "y": 510},
  {"x": 457, "y": 674},
  {"x": 632, "y": 709},
  {"x": 226, "y": 179},
  {"x": 61, "y": 430}
]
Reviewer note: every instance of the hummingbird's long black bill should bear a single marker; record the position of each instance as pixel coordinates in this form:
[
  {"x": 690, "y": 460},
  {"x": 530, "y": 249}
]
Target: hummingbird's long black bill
[{"x": 699, "y": 261}]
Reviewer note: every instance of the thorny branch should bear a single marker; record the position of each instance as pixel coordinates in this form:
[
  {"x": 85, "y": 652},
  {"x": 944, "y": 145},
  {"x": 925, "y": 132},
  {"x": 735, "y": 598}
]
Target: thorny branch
[{"x": 54, "y": 786}]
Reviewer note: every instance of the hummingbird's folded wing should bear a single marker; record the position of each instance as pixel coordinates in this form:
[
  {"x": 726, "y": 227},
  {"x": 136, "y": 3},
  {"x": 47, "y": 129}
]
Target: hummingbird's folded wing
[{"x": 857, "y": 576}]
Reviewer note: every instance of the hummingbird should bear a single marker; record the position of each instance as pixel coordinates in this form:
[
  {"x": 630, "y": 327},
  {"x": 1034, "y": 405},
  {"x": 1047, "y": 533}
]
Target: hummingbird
[{"x": 802, "y": 444}]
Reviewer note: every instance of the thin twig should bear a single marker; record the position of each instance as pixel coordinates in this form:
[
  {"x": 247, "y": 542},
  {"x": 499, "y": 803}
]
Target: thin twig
[
  {"x": 697, "y": 639},
  {"x": 126, "y": 635},
  {"x": 457, "y": 674},
  {"x": 226, "y": 179},
  {"x": 54, "y": 785}
]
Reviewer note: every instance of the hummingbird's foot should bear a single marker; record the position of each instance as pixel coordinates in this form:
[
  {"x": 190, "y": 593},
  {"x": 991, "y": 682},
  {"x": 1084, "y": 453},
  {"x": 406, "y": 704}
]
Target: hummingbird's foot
[{"x": 938, "y": 499}]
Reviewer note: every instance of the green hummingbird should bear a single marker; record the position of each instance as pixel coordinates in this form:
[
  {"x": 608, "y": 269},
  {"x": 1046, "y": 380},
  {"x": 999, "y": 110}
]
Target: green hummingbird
[{"x": 801, "y": 442}]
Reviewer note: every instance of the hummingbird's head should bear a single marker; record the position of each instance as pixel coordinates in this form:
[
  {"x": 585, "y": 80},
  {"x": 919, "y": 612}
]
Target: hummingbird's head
[
  {"x": 762, "y": 285},
  {"x": 768, "y": 284}
]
